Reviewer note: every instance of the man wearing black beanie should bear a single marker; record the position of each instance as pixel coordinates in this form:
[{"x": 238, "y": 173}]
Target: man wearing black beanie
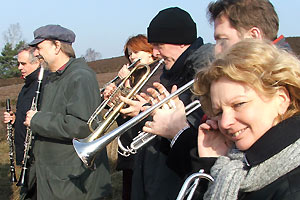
[{"x": 173, "y": 34}]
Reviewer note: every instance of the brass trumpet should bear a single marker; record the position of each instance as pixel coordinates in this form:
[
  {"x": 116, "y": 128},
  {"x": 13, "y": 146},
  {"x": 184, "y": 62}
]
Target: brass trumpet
[
  {"x": 117, "y": 77},
  {"x": 138, "y": 76},
  {"x": 144, "y": 138},
  {"x": 87, "y": 149},
  {"x": 188, "y": 189}
]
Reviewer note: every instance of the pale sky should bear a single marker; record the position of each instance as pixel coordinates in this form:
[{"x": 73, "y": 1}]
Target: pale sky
[{"x": 106, "y": 25}]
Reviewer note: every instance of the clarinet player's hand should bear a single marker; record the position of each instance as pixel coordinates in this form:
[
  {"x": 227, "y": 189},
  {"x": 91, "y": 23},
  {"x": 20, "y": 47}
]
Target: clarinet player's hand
[
  {"x": 9, "y": 117},
  {"x": 29, "y": 116}
]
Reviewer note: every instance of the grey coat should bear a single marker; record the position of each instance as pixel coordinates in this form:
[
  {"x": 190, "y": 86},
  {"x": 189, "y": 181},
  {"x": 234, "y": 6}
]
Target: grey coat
[{"x": 69, "y": 99}]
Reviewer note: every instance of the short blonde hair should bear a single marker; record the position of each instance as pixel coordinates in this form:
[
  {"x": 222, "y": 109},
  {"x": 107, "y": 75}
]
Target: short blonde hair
[{"x": 259, "y": 64}]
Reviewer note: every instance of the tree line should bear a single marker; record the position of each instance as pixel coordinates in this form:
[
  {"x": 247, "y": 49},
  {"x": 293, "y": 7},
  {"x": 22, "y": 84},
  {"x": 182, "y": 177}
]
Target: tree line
[{"x": 13, "y": 43}]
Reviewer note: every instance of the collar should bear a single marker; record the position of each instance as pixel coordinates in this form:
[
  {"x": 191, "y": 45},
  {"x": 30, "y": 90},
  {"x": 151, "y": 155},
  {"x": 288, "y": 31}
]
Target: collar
[
  {"x": 178, "y": 68},
  {"x": 62, "y": 67},
  {"x": 281, "y": 43},
  {"x": 274, "y": 140},
  {"x": 32, "y": 77},
  {"x": 55, "y": 75}
]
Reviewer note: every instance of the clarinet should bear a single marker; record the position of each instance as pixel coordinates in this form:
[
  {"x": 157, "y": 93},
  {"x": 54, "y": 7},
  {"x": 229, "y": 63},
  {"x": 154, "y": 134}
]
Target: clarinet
[
  {"x": 10, "y": 139},
  {"x": 29, "y": 137}
]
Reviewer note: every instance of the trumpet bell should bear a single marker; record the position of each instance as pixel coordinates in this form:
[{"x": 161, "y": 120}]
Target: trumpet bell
[{"x": 87, "y": 151}]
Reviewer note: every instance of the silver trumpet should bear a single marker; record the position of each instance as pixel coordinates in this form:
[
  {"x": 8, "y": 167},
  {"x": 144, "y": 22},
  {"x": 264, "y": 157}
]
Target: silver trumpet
[
  {"x": 87, "y": 151},
  {"x": 144, "y": 138},
  {"x": 190, "y": 184}
]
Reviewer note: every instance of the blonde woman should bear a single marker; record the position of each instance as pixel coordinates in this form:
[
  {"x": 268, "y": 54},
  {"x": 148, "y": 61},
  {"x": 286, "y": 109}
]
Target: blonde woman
[{"x": 252, "y": 95}]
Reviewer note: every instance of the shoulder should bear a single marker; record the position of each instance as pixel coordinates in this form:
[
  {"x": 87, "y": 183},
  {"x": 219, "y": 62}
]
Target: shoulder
[
  {"x": 201, "y": 57},
  {"x": 286, "y": 187},
  {"x": 79, "y": 68}
]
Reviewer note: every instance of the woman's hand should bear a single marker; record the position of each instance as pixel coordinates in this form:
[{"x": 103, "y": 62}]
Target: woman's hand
[{"x": 211, "y": 142}]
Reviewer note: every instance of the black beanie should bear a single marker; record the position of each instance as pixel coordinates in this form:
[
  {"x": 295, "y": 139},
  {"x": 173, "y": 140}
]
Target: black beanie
[{"x": 172, "y": 26}]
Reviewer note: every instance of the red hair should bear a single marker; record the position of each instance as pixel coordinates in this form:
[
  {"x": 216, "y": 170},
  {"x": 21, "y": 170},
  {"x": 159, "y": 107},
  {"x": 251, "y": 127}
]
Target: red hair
[{"x": 137, "y": 43}]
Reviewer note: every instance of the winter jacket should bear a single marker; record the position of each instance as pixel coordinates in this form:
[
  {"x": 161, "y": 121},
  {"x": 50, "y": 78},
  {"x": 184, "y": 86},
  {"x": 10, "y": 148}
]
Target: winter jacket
[
  {"x": 70, "y": 97},
  {"x": 287, "y": 187}
]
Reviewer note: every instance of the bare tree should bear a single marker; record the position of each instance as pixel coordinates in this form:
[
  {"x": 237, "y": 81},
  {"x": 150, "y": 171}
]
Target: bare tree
[
  {"x": 13, "y": 35},
  {"x": 91, "y": 55}
]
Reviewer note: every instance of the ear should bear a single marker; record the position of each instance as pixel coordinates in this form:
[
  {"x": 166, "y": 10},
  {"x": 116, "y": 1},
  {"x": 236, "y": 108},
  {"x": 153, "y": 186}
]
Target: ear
[
  {"x": 283, "y": 100},
  {"x": 57, "y": 46},
  {"x": 255, "y": 33}
]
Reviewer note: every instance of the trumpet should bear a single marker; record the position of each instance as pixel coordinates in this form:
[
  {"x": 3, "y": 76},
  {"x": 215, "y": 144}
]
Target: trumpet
[
  {"x": 87, "y": 150},
  {"x": 117, "y": 77},
  {"x": 144, "y": 138},
  {"x": 139, "y": 75},
  {"x": 10, "y": 139},
  {"x": 188, "y": 189}
]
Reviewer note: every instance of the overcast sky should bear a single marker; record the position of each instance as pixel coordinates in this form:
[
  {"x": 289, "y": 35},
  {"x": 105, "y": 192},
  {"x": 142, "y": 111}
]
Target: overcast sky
[{"x": 106, "y": 25}]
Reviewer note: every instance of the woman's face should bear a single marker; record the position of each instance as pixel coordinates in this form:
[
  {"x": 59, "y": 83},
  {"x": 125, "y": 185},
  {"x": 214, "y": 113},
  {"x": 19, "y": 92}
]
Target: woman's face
[
  {"x": 145, "y": 57},
  {"x": 242, "y": 114}
]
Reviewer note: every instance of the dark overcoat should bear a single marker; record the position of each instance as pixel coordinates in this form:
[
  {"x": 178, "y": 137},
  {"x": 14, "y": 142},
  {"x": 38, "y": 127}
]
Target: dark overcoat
[{"x": 69, "y": 99}]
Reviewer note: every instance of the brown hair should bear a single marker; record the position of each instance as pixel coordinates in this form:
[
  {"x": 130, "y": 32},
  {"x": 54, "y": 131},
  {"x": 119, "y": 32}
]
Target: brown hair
[
  {"x": 137, "y": 43},
  {"x": 259, "y": 64},
  {"x": 245, "y": 14},
  {"x": 66, "y": 48}
]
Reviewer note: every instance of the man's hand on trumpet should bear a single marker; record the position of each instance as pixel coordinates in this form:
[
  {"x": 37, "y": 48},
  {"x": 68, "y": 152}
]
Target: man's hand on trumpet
[
  {"x": 134, "y": 105},
  {"x": 168, "y": 120}
]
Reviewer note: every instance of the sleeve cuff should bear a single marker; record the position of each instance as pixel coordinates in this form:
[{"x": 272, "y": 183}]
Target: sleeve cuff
[{"x": 177, "y": 135}]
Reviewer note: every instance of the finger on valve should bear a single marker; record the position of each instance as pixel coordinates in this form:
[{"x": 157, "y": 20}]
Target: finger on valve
[
  {"x": 109, "y": 90},
  {"x": 124, "y": 71}
]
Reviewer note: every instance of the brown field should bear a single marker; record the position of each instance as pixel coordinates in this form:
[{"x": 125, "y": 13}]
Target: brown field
[{"x": 10, "y": 89}]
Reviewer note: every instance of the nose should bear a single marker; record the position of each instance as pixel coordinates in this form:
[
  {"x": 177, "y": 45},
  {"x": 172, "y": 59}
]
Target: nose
[
  {"x": 155, "y": 52},
  {"x": 227, "y": 119},
  {"x": 133, "y": 56},
  {"x": 20, "y": 66}
]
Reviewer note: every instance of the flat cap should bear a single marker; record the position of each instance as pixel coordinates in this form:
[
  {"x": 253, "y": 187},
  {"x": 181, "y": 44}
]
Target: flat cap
[{"x": 53, "y": 32}]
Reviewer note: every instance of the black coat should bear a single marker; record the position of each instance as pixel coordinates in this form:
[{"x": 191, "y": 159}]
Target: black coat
[
  {"x": 286, "y": 187},
  {"x": 27, "y": 93},
  {"x": 152, "y": 179},
  {"x": 179, "y": 155}
]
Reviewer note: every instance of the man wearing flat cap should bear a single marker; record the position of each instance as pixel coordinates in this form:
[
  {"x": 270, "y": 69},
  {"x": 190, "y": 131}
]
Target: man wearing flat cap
[
  {"x": 70, "y": 97},
  {"x": 173, "y": 35}
]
